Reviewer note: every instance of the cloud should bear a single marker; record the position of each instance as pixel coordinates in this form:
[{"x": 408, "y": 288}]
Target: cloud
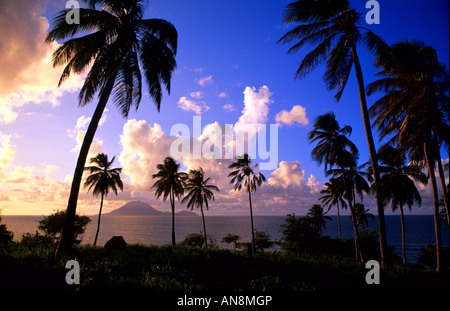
[
  {"x": 256, "y": 105},
  {"x": 287, "y": 174},
  {"x": 79, "y": 131},
  {"x": 296, "y": 115},
  {"x": 27, "y": 74},
  {"x": 190, "y": 105},
  {"x": 197, "y": 95},
  {"x": 223, "y": 95},
  {"x": 205, "y": 81},
  {"x": 7, "y": 151},
  {"x": 228, "y": 107},
  {"x": 143, "y": 147}
]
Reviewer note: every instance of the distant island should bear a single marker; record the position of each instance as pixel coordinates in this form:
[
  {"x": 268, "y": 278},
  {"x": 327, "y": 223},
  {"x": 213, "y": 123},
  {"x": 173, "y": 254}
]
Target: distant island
[{"x": 139, "y": 208}]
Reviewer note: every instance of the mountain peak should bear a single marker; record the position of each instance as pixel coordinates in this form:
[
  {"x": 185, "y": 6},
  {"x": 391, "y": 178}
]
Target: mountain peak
[{"x": 139, "y": 208}]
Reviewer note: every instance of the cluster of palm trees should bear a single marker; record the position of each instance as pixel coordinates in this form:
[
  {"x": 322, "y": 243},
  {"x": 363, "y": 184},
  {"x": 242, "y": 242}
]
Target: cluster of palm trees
[
  {"x": 172, "y": 183},
  {"x": 413, "y": 113}
]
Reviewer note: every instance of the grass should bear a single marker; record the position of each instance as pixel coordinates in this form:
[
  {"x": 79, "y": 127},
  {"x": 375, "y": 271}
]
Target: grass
[{"x": 183, "y": 268}]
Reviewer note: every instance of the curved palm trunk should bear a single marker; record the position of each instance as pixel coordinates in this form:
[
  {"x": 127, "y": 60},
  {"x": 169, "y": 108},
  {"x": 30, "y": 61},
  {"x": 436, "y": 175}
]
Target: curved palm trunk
[
  {"x": 204, "y": 228},
  {"x": 68, "y": 232},
  {"x": 373, "y": 157},
  {"x": 172, "y": 206},
  {"x": 402, "y": 219},
  {"x": 251, "y": 220},
  {"x": 98, "y": 223},
  {"x": 437, "y": 223}
]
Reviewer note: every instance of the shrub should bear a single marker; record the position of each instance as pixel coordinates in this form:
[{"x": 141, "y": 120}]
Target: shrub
[
  {"x": 6, "y": 236},
  {"x": 197, "y": 240},
  {"x": 297, "y": 235}
]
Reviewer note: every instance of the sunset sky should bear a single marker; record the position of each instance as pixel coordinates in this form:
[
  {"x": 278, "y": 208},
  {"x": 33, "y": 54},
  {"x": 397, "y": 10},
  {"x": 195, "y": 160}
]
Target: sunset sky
[{"x": 230, "y": 70}]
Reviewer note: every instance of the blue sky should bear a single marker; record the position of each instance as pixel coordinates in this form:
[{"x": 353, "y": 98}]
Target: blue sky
[{"x": 224, "y": 50}]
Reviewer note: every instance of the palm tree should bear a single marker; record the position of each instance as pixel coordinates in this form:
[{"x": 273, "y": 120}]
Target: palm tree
[
  {"x": 362, "y": 216},
  {"x": 245, "y": 174},
  {"x": 333, "y": 26},
  {"x": 398, "y": 181},
  {"x": 199, "y": 193},
  {"x": 332, "y": 149},
  {"x": 333, "y": 195},
  {"x": 332, "y": 140},
  {"x": 170, "y": 184},
  {"x": 102, "y": 179},
  {"x": 115, "y": 42},
  {"x": 412, "y": 112},
  {"x": 317, "y": 218},
  {"x": 355, "y": 183}
]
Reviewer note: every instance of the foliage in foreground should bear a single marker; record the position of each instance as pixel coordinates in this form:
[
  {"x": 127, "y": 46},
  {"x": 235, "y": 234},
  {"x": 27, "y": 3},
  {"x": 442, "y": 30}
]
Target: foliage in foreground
[{"x": 183, "y": 268}]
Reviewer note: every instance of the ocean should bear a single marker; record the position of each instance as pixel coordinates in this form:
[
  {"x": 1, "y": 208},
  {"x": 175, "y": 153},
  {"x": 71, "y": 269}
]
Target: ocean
[{"x": 156, "y": 230}]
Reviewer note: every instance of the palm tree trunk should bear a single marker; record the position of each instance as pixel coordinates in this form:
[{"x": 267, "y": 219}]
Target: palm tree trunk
[
  {"x": 98, "y": 223},
  {"x": 443, "y": 186},
  {"x": 68, "y": 232},
  {"x": 437, "y": 224},
  {"x": 339, "y": 221},
  {"x": 373, "y": 157},
  {"x": 352, "y": 214},
  {"x": 355, "y": 225},
  {"x": 204, "y": 228},
  {"x": 402, "y": 219},
  {"x": 251, "y": 219},
  {"x": 172, "y": 205}
]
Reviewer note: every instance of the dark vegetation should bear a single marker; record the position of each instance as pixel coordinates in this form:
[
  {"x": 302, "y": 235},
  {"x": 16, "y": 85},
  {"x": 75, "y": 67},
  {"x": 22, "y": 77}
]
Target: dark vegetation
[{"x": 320, "y": 264}]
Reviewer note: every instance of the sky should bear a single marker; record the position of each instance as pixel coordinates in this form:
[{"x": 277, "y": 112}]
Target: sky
[{"x": 230, "y": 70}]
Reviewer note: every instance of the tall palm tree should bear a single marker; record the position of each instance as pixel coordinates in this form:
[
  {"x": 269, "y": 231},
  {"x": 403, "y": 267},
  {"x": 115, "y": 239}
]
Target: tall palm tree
[
  {"x": 170, "y": 184},
  {"x": 398, "y": 181},
  {"x": 199, "y": 193},
  {"x": 333, "y": 26},
  {"x": 116, "y": 43},
  {"x": 333, "y": 194},
  {"x": 102, "y": 179},
  {"x": 317, "y": 218},
  {"x": 245, "y": 175},
  {"x": 412, "y": 112}
]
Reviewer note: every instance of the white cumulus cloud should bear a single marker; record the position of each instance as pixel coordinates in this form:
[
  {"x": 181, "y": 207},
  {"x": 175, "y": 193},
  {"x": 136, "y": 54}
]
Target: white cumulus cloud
[{"x": 296, "y": 115}]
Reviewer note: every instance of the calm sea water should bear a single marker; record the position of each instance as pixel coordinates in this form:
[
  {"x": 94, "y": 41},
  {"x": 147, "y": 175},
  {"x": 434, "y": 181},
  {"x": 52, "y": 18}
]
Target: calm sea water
[{"x": 157, "y": 229}]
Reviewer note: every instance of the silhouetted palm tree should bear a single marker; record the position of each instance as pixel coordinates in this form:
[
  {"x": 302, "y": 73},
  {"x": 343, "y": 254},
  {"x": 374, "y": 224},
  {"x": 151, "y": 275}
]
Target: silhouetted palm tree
[
  {"x": 333, "y": 148},
  {"x": 412, "y": 111},
  {"x": 355, "y": 184},
  {"x": 398, "y": 181},
  {"x": 102, "y": 179},
  {"x": 245, "y": 175},
  {"x": 317, "y": 218},
  {"x": 170, "y": 184},
  {"x": 333, "y": 26},
  {"x": 199, "y": 193},
  {"x": 332, "y": 140},
  {"x": 362, "y": 216},
  {"x": 116, "y": 43},
  {"x": 334, "y": 196}
]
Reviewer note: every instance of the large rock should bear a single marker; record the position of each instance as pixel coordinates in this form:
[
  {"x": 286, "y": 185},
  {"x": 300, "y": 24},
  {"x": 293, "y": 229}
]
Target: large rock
[{"x": 116, "y": 242}]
